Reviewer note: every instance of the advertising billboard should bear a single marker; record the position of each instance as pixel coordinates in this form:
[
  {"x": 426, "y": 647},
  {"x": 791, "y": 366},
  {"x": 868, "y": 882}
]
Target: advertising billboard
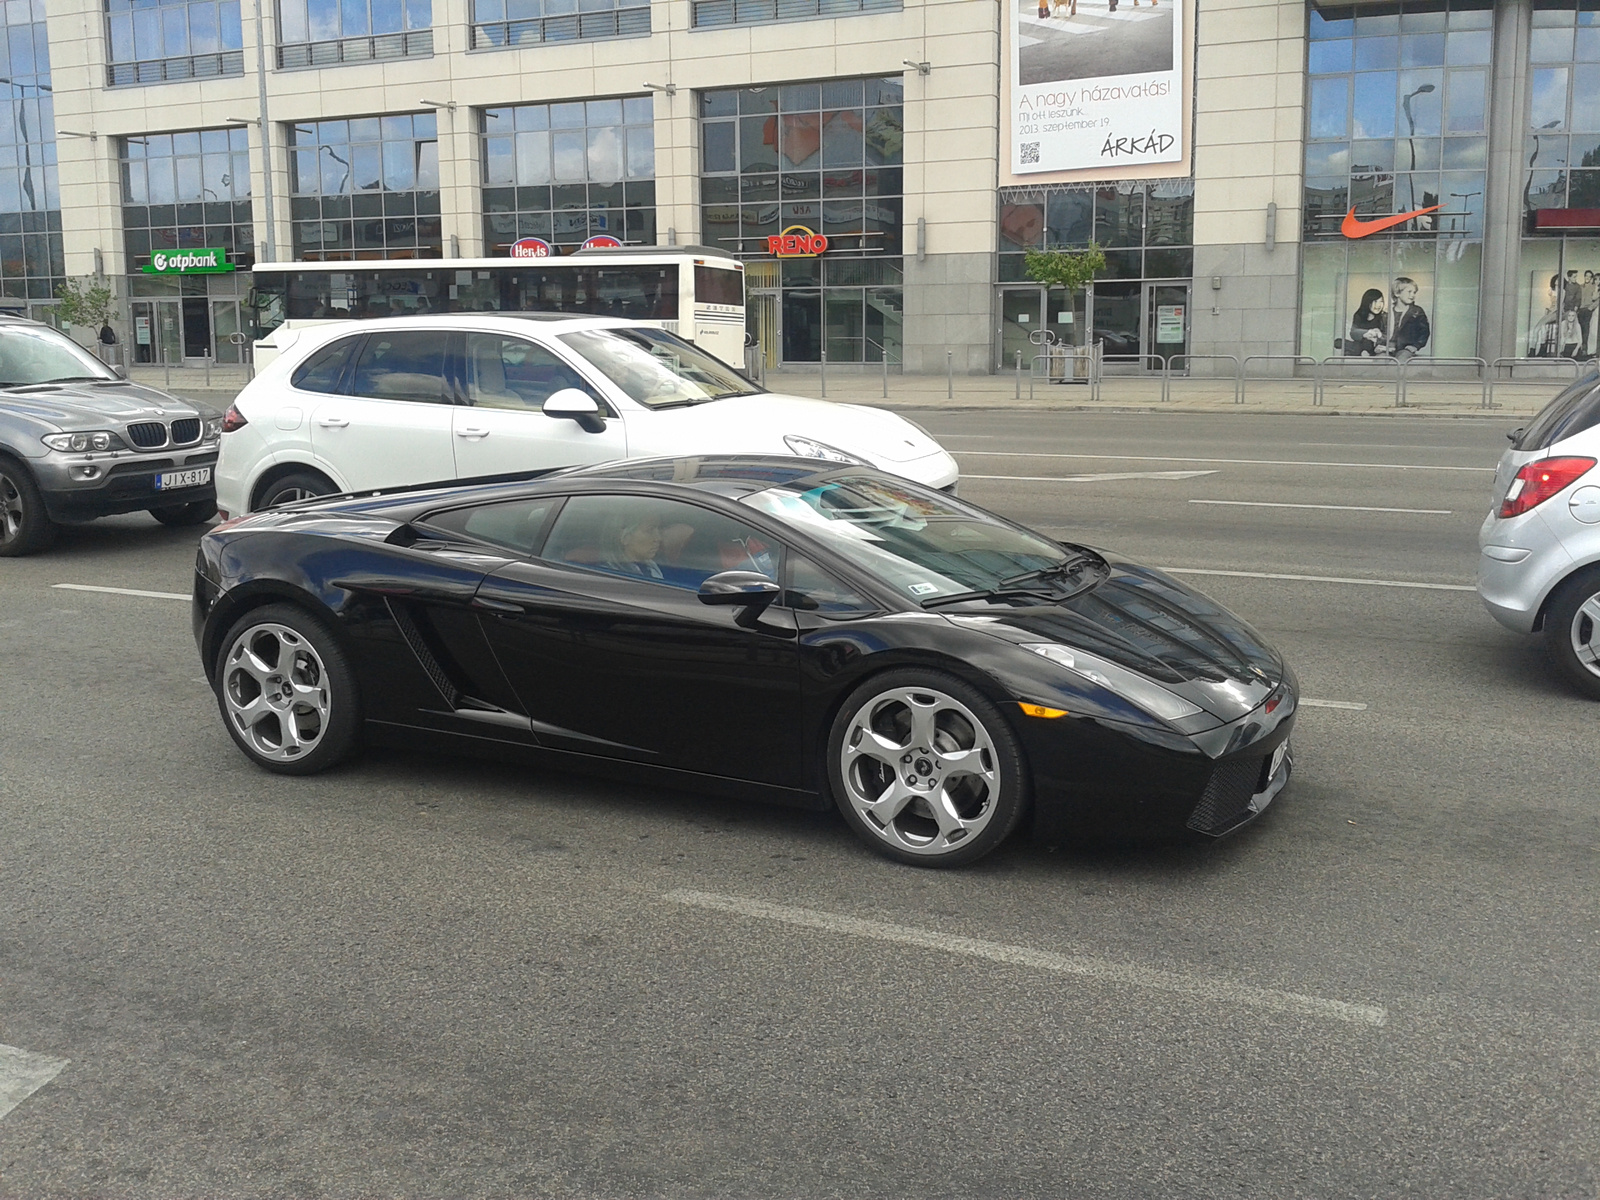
[{"x": 1096, "y": 86}]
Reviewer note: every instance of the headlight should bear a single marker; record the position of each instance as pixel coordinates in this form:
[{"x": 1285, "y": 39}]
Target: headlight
[
  {"x": 213, "y": 429},
  {"x": 1130, "y": 685},
  {"x": 807, "y": 448},
  {"x": 82, "y": 443}
]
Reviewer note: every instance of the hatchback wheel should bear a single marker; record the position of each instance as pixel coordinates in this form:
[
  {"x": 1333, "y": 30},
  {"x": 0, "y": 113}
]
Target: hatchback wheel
[
  {"x": 301, "y": 485},
  {"x": 25, "y": 527},
  {"x": 286, "y": 691},
  {"x": 925, "y": 769},
  {"x": 1572, "y": 630}
]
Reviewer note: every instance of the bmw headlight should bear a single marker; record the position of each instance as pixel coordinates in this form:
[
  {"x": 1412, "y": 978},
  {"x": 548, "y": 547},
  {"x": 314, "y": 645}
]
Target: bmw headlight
[
  {"x": 213, "y": 429},
  {"x": 807, "y": 448},
  {"x": 82, "y": 443},
  {"x": 1130, "y": 685}
]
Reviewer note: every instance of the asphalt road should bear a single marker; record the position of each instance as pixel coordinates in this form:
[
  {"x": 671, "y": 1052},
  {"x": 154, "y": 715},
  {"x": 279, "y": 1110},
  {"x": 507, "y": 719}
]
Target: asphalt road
[{"x": 423, "y": 976}]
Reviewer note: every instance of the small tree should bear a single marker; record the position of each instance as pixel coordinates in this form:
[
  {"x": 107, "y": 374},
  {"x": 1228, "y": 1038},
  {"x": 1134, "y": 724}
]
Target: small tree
[
  {"x": 1070, "y": 269},
  {"x": 85, "y": 302}
]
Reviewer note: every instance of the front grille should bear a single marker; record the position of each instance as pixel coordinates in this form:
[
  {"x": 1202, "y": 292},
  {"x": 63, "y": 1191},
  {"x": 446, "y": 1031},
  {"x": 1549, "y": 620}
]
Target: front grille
[
  {"x": 1226, "y": 800},
  {"x": 147, "y": 435},
  {"x": 185, "y": 430}
]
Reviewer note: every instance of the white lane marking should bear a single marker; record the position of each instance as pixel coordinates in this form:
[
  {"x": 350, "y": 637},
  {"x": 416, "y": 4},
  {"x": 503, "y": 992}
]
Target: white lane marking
[
  {"x": 1101, "y": 478},
  {"x": 1222, "y": 990},
  {"x": 22, "y": 1074},
  {"x": 1249, "y": 462},
  {"x": 85, "y": 587},
  {"x": 1431, "y": 512},
  {"x": 1345, "y": 704},
  {"x": 1398, "y": 583}
]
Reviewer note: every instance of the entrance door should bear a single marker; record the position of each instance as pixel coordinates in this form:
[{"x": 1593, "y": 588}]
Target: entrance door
[
  {"x": 157, "y": 332},
  {"x": 230, "y": 339},
  {"x": 1021, "y": 316},
  {"x": 1167, "y": 319},
  {"x": 196, "y": 327},
  {"x": 761, "y": 322},
  {"x": 1119, "y": 323}
]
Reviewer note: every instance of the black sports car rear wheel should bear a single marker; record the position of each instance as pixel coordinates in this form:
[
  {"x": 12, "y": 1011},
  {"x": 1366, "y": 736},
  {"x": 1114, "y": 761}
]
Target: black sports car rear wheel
[
  {"x": 286, "y": 691},
  {"x": 925, "y": 769},
  {"x": 25, "y": 527}
]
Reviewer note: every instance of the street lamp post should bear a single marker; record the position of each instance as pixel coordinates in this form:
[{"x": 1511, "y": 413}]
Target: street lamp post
[{"x": 1411, "y": 137}]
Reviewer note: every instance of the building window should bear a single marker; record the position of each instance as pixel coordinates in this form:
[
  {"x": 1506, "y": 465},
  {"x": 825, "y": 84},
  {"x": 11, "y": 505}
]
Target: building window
[
  {"x": 1144, "y": 227},
  {"x": 30, "y": 203},
  {"x": 321, "y": 33},
  {"x": 186, "y": 191},
  {"x": 708, "y": 13},
  {"x": 1559, "y": 284},
  {"x": 366, "y": 188},
  {"x": 826, "y": 156},
  {"x": 153, "y": 41},
  {"x": 1396, "y": 122},
  {"x": 566, "y": 172},
  {"x": 498, "y": 24}
]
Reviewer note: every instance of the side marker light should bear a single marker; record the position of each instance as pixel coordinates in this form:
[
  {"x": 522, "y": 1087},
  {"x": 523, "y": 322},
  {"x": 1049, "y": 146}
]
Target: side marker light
[{"x": 1039, "y": 710}]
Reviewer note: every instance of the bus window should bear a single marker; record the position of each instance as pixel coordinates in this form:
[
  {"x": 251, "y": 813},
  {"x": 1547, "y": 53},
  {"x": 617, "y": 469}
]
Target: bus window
[{"x": 718, "y": 285}]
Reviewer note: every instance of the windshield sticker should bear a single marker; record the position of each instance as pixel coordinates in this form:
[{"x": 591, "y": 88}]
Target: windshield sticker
[{"x": 922, "y": 589}]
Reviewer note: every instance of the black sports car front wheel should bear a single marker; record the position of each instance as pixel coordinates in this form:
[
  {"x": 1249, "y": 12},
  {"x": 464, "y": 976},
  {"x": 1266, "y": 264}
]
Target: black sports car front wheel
[
  {"x": 286, "y": 691},
  {"x": 925, "y": 769}
]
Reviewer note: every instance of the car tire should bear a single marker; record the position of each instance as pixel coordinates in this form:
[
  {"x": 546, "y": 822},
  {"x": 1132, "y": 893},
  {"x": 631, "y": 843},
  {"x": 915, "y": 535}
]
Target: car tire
[
  {"x": 286, "y": 691},
  {"x": 180, "y": 515},
  {"x": 25, "y": 526},
  {"x": 1572, "y": 630},
  {"x": 925, "y": 769},
  {"x": 298, "y": 485}
]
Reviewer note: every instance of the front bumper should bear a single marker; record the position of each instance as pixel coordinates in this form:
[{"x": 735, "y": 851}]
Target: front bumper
[
  {"x": 121, "y": 482},
  {"x": 1102, "y": 781}
]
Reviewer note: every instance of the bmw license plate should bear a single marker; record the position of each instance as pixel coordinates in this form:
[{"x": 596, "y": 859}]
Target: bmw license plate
[{"x": 183, "y": 479}]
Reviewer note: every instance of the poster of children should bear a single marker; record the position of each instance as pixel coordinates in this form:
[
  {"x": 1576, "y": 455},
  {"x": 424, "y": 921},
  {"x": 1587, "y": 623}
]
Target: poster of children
[
  {"x": 1562, "y": 312},
  {"x": 1388, "y": 316}
]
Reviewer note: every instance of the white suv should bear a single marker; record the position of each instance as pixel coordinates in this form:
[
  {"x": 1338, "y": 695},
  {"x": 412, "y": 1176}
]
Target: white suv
[{"x": 406, "y": 400}]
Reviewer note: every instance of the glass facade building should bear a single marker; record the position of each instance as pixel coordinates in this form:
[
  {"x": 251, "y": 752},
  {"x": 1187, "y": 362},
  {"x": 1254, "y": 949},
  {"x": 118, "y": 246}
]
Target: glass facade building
[
  {"x": 566, "y": 172},
  {"x": 30, "y": 200},
  {"x": 516, "y": 23},
  {"x": 318, "y": 33},
  {"x": 825, "y": 157},
  {"x": 154, "y": 41},
  {"x": 366, "y": 188}
]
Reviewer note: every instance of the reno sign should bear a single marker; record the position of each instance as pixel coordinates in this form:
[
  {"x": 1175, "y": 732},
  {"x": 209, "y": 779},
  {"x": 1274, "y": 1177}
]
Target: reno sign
[
  {"x": 797, "y": 242},
  {"x": 530, "y": 247}
]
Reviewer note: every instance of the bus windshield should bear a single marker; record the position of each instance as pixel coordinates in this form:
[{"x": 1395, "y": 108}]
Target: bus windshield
[{"x": 659, "y": 369}]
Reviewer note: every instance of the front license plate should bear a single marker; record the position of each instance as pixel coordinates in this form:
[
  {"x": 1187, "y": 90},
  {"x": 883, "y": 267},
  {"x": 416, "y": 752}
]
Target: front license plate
[{"x": 183, "y": 479}]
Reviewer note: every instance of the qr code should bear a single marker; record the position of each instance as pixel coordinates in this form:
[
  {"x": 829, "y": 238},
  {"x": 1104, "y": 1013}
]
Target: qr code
[{"x": 1030, "y": 152}]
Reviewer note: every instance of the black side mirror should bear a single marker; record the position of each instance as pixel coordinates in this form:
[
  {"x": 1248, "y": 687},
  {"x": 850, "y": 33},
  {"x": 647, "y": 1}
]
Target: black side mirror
[
  {"x": 749, "y": 590},
  {"x": 578, "y": 406},
  {"x": 1514, "y": 436}
]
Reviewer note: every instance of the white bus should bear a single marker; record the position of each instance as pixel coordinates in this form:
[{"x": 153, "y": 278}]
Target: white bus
[{"x": 692, "y": 291}]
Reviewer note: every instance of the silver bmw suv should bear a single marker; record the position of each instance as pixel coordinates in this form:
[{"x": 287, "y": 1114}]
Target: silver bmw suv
[
  {"x": 78, "y": 441},
  {"x": 1539, "y": 547}
]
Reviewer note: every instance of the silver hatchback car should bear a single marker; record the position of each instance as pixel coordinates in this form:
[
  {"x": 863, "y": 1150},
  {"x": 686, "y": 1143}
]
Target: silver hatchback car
[{"x": 1539, "y": 547}]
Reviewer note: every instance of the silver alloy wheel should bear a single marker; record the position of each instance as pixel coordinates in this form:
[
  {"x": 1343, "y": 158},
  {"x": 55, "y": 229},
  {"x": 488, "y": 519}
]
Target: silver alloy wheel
[
  {"x": 920, "y": 769},
  {"x": 292, "y": 496},
  {"x": 276, "y": 691},
  {"x": 11, "y": 511},
  {"x": 1585, "y": 634}
]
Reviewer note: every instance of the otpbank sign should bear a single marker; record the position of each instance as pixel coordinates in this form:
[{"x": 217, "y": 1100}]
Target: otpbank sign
[{"x": 188, "y": 262}]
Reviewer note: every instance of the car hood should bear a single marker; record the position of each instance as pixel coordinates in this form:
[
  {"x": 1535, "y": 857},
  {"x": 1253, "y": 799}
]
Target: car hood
[
  {"x": 750, "y": 424},
  {"x": 1148, "y": 622},
  {"x": 83, "y": 406}
]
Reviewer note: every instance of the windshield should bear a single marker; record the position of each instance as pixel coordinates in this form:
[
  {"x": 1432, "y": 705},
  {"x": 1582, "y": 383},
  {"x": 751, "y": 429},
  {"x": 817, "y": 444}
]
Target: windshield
[
  {"x": 657, "y": 368},
  {"x": 922, "y": 543},
  {"x": 32, "y": 354}
]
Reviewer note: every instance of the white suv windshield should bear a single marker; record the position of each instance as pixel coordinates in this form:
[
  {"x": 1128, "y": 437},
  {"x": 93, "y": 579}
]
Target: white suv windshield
[
  {"x": 35, "y": 354},
  {"x": 658, "y": 369}
]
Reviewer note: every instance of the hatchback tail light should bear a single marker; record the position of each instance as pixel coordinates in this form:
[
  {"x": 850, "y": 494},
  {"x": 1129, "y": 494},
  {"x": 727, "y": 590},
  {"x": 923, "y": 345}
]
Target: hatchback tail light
[
  {"x": 1540, "y": 480},
  {"x": 233, "y": 419}
]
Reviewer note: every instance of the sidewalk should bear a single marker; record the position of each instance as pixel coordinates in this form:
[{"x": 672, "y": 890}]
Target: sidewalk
[{"x": 1123, "y": 393}]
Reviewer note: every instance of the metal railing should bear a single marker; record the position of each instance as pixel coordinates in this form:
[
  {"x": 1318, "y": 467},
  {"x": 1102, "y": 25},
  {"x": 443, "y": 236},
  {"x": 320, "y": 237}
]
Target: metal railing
[
  {"x": 1068, "y": 359},
  {"x": 1294, "y": 361},
  {"x": 1352, "y": 363},
  {"x": 374, "y": 47},
  {"x": 1407, "y": 380},
  {"x": 1187, "y": 359}
]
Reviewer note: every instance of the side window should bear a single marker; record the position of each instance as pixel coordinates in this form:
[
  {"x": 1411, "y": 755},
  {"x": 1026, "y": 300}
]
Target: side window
[
  {"x": 323, "y": 370},
  {"x": 811, "y": 589},
  {"x": 402, "y": 366},
  {"x": 664, "y": 541},
  {"x": 506, "y": 372},
  {"x": 516, "y": 524}
]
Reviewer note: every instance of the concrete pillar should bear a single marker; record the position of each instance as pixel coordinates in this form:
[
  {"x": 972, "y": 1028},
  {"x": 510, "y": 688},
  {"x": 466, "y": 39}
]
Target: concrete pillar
[{"x": 1502, "y": 202}]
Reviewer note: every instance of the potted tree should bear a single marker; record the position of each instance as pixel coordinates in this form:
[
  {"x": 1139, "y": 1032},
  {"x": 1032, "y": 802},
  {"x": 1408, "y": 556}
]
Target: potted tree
[
  {"x": 1068, "y": 269},
  {"x": 90, "y": 304}
]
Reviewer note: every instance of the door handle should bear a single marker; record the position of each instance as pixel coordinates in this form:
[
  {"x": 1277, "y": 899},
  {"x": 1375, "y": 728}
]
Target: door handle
[
  {"x": 496, "y": 606},
  {"x": 472, "y": 431},
  {"x": 333, "y": 422}
]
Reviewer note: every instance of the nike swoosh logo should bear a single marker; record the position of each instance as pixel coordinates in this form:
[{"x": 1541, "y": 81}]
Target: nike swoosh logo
[{"x": 1353, "y": 228}]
